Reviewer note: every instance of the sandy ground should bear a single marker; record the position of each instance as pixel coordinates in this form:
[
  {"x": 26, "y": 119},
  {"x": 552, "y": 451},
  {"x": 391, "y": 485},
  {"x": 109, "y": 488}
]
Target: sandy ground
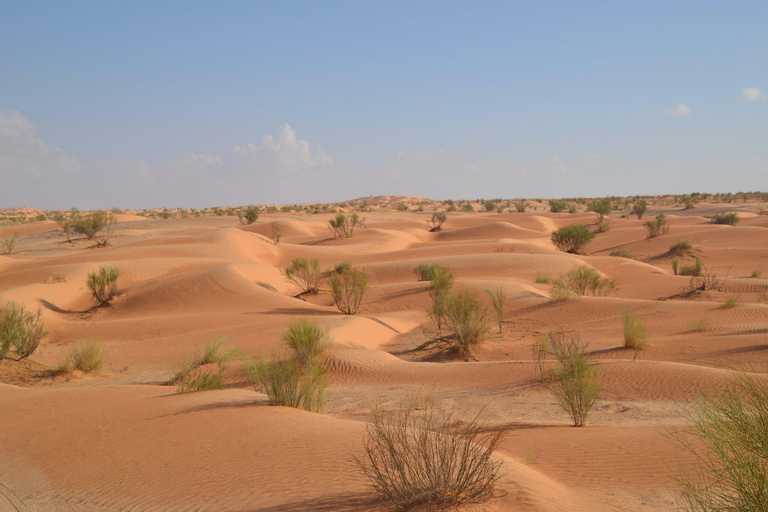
[{"x": 123, "y": 440}]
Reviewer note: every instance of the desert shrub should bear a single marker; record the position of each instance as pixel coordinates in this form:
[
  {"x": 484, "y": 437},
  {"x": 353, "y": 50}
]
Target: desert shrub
[
  {"x": 621, "y": 252},
  {"x": 557, "y": 205},
  {"x": 9, "y": 244},
  {"x": 216, "y": 351},
  {"x": 437, "y": 221},
  {"x": 277, "y": 232},
  {"x": 521, "y": 206},
  {"x": 689, "y": 201},
  {"x": 466, "y": 318},
  {"x": 347, "y": 289},
  {"x": 304, "y": 273},
  {"x": 657, "y": 227},
  {"x": 601, "y": 207},
  {"x": 576, "y": 386},
  {"x": 343, "y": 226},
  {"x": 439, "y": 290},
  {"x": 572, "y": 238},
  {"x": 248, "y": 215},
  {"x": 421, "y": 456},
  {"x": 583, "y": 280},
  {"x": 56, "y": 277},
  {"x": 20, "y": 330},
  {"x": 307, "y": 340},
  {"x": 402, "y": 207},
  {"x": 680, "y": 247},
  {"x": 103, "y": 284},
  {"x": 201, "y": 381},
  {"x": 756, "y": 273},
  {"x": 726, "y": 218},
  {"x": 287, "y": 382},
  {"x": 675, "y": 266},
  {"x": 639, "y": 208},
  {"x": 426, "y": 271},
  {"x": 602, "y": 228},
  {"x": 498, "y": 298},
  {"x": 86, "y": 356},
  {"x": 696, "y": 269},
  {"x": 702, "y": 324},
  {"x": 542, "y": 279},
  {"x": 728, "y": 442},
  {"x": 467, "y": 207},
  {"x": 730, "y": 302},
  {"x": 89, "y": 225},
  {"x": 634, "y": 331}
]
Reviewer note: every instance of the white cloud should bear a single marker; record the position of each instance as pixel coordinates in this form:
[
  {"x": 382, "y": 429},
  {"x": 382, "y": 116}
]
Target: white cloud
[
  {"x": 753, "y": 94},
  {"x": 680, "y": 110},
  {"x": 426, "y": 156},
  {"x": 283, "y": 152},
  {"x": 21, "y": 153}
]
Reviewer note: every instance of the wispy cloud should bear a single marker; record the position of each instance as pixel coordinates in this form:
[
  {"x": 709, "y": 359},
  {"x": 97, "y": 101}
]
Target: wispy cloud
[
  {"x": 680, "y": 110},
  {"x": 753, "y": 94}
]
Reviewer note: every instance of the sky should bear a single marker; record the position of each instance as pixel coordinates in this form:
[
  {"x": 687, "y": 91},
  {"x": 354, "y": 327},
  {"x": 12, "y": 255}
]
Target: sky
[{"x": 195, "y": 104}]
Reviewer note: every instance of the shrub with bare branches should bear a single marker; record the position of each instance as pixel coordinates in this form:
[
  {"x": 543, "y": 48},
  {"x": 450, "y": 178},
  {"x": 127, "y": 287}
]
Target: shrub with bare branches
[
  {"x": 304, "y": 273},
  {"x": 437, "y": 221}
]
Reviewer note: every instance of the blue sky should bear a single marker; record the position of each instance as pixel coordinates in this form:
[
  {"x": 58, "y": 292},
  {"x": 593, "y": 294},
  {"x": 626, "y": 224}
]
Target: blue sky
[{"x": 204, "y": 103}]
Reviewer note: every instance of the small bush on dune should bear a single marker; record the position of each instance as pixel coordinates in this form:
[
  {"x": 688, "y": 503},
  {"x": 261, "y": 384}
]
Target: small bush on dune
[
  {"x": 730, "y": 302},
  {"x": 576, "y": 387},
  {"x": 9, "y": 244},
  {"x": 657, "y": 227},
  {"x": 421, "y": 456},
  {"x": 583, "y": 280},
  {"x": 634, "y": 332},
  {"x": 214, "y": 352},
  {"x": 87, "y": 356},
  {"x": 437, "y": 221},
  {"x": 498, "y": 298},
  {"x": 248, "y": 215},
  {"x": 103, "y": 284},
  {"x": 621, "y": 252},
  {"x": 343, "y": 226},
  {"x": 541, "y": 279},
  {"x": 572, "y": 238},
  {"x": 426, "y": 271},
  {"x": 701, "y": 325},
  {"x": 557, "y": 205},
  {"x": 521, "y": 206},
  {"x": 756, "y": 273},
  {"x": 307, "y": 340},
  {"x": 217, "y": 351},
  {"x": 288, "y": 383},
  {"x": 467, "y": 320},
  {"x": 201, "y": 381},
  {"x": 347, "y": 289},
  {"x": 89, "y": 225},
  {"x": 601, "y": 207},
  {"x": 304, "y": 273},
  {"x": 696, "y": 269},
  {"x": 680, "y": 247},
  {"x": 439, "y": 290},
  {"x": 728, "y": 442},
  {"x": 730, "y": 219},
  {"x": 640, "y": 208},
  {"x": 277, "y": 232},
  {"x": 20, "y": 330}
]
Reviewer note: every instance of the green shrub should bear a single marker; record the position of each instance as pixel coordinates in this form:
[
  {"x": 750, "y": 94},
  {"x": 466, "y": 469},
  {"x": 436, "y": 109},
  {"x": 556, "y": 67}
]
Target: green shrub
[
  {"x": 542, "y": 279},
  {"x": 657, "y": 227},
  {"x": 467, "y": 207},
  {"x": 288, "y": 383},
  {"x": 726, "y": 218},
  {"x": 640, "y": 208},
  {"x": 437, "y": 221},
  {"x": 201, "y": 381},
  {"x": 86, "y": 356},
  {"x": 521, "y": 206},
  {"x": 347, "y": 289},
  {"x": 703, "y": 324},
  {"x": 583, "y": 280},
  {"x": 402, "y": 207},
  {"x": 602, "y": 228},
  {"x": 756, "y": 273},
  {"x": 9, "y": 244},
  {"x": 692, "y": 270},
  {"x": 498, "y": 298},
  {"x": 557, "y": 205},
  {"x": 728, "y": 441},
  {"x": 601, "y": 207},
  {"x": 422, "y": 457},
  {"x": 103, "y": 284},
  {"x": 439, "y": 290},
  {"x": 304, "y": 273},
  {"x": 680, "y": 247},
  {"x": 621, "y": 252},
  {"x": 277, "y": 232},
  {"x": 426, "y": 271},
  {"x": 343, "y": 226},
  {"x": 572, "y": 238},
  {"x": 730, "y": 302},
  {"x": 20, "y": 330},
  {"x": 467, "y": 320},
  {"x": 217, "y": 351},
  {"x": 307, "y": 340},
  {"x": 634, "y": 331},
  {"x": 248, "y": 215},
  {"x": 675, "y": 267},
  {"x": 576, "y": 386}
]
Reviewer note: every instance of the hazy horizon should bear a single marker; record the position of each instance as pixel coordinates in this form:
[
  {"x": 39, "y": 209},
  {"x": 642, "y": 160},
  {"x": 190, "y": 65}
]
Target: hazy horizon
[{"x": 179, "y": 104}]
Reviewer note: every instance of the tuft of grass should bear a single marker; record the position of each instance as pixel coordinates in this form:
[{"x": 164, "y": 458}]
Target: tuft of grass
[
  {"x": 703, "y": 324},
  {"x": 288, "y": 383},
  {"x": 498, "y": 298},
  {"x": 582, "y": 280},
  {"x": 307, "y": 340},
  {"x": 217, "y": 351},
  {"x": 676, "y": 267},
  {"x": 694, "y": 270},
  {"x": 634, "y": 331},
  {"x": 657, "y": 227},
  {"x": 201, "y": 381},
  {"x": 86, "y": 356},
  {"x": 20, "y": 330},
  {"x": 426, "y": 271},
  {"x": 467, "y": 319},
  {"x": 756, "y": 273},
  {"x": 730, "y": 302},
  {"x": 423, "y": 457},
  {"x": 680, "y": 247},
  {"x": 730, "y": 219},
  {"x": 304, "y": 273},
  {"x": 103, "y": 284},
  {"x": 542, "y": 279},
  {"x": 621, "y": 252}
]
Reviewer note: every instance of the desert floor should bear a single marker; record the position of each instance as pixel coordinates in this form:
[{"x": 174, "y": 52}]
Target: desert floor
[{"x": 124, "y": 440}]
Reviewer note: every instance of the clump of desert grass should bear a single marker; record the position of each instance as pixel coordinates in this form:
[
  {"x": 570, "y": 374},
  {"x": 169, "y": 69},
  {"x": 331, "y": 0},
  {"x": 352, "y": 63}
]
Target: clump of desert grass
[
  {"x": 634, "y": 332},
  {"x": 467, "y": 321},
  {"x": 103, "y": 284},
  {"x": 190, "y": 376},
  {"x": 498, "y": 299},
  {"x": 730, "y": 302},
  {"x": 440, "y": 286},
  {"x": 581, "y": 280},
  {"x": 304, "y": 273},
  {"x": 658, "y": 226},
  {"x": 730, "y": 219},
  {"x": 702, "y": 324},
  {"x": 542, "y": 279},
  {"x": 426, "y": 271},
  {"x": 621, "y": 252},
  {"x": 347, "y": 289},
  {"x": 421, "y": 456},
  {"x": 85, "y": 356},
  {"x": 20, "y": 330},
  {"x": 572, "y": 238},
  {"x": 680, "y": 247},
  {"x": 728, "y": 442},
  {"x": 756, "y": 273},
  {"x": 307, "y": 340},
  {"x": 695, "y": 269}
]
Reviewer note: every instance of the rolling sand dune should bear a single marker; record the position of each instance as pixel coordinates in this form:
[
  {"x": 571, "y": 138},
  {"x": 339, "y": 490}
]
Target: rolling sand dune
[{"x": 124, "y": 440}]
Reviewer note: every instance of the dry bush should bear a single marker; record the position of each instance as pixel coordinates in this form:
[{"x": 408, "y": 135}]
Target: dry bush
[
  {"x": 466, "y": 318},
  {"x": 304, "y": 273},
  {"x": 307, "y": 340},
  {"x": 558, "y": 205},
  {"x": 639, "y": 208},
  {"x": 696, "y": 269},
  {"x": 20, "y": 330},
  {"x": 200, "y": 381},
  {"x": 728, "y": 442},
  {"x": 347, "y": 289},
  {"x": 680, "y": 247},
  {"x": 288, "y": 383},
  {"x": 634, "y": 332},
  {"x": 576, "y": 386},
  {"x": 9, "y": 244},
  {"x": 343, "y": 226},
  {"x": 498, "y": 299},
  {"x": 521, "y": 206},
  {"x": 440, "y": 287},
  {"x": 248, "y": 215},
  {"x": 703, "y": 324},
  {"x": 657, "y": 227},
  {"x": 85, "y": 356},
  {"x": 582, "y": 280},
  {"x": 756, "y": 273},
  {"x": 216, "y": 352},
  {"x": 572, "y": 238},
  {"x": 621, "y": 252},
  {"x": 730, "y": 302},
  {"x": 418, "y": 457},
  {"x": 103, "y": 284},
  {"x": 277, "y": 232},
  {"x": 437, "y": 221},
  {"x": 730, "y": 219}
]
